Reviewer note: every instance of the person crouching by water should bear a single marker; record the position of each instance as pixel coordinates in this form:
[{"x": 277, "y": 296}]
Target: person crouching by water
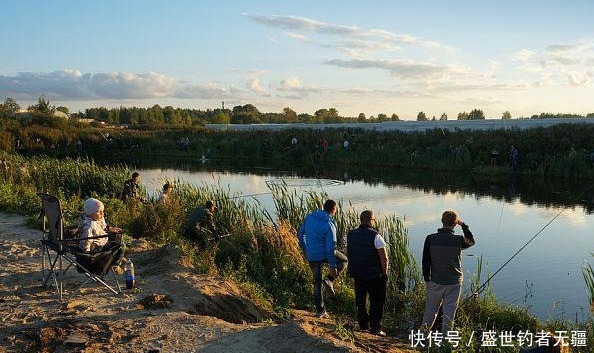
[
  {"x": 368, "y": 265},
  {"x": 442, "y": 269},
  {"x": 317, "y": 239},
  {"x": 200, "y": 226},
  {"x": 93, "y": 225},
  {"x": 165, "y": 195}
]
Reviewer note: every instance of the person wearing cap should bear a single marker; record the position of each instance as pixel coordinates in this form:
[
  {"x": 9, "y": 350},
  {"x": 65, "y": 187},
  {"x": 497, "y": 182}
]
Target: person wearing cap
[
  {"x": 317, "y": 239},
  {"x": 200, "y": 225},
  {"x": 93, "y": 224},
  {"x": 442, "y": 269}
]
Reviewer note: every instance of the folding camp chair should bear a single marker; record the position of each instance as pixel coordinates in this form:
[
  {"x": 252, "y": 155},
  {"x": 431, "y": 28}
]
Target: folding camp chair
[{"x": 61, "y": 253}]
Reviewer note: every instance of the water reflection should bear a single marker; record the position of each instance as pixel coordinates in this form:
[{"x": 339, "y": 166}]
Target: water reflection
[{"x": 529, "y": 190}]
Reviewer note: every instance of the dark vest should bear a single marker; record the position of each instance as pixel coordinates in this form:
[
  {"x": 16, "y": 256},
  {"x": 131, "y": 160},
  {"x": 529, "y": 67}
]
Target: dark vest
[{"x": 364, "y": 262}]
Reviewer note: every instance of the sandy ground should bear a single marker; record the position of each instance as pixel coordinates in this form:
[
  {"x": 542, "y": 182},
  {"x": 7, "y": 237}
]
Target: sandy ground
[{"x": 173, "y": 309}]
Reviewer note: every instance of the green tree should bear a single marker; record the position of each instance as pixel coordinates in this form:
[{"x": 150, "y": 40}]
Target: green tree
[
  {"x": 290, "y": 115},
  {"x": 247, "y": 114},
  {"x": 10, "y": 107},
  {"x": 476, "y": 114},
  {"x": 326, "y": 116},
  {"x": 382, "y": 117},
  {"x": 221, "y": 118},
  {"x": 395, "y": 117},
  {"x": 305, "y": 118},
  {"x": 506, "y": 115},
  {"x": 43, "y": 107},
  {"x": 361, "y": 118},
  {"x": 463, "y": 116},
  {"x": 443, "y": 117},
  {"x": 421, "y": 116}
]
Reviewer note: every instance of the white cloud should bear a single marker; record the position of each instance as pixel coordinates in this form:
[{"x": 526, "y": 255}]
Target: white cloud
[
  {"x": 296, "y": 36},
  {"x": 297, "y": 90},
  {"x": 290, "y": 83},
  {"x": 253, "y": 82},
  {"x": 523, "y": 55},
  {"x": 404, "y": 69},
  {"x": 481, "y": 101},
  {"x": 72, "y": 84},
  {"x": 579, "y": 78},
  {"x": 354, "y": 39},
  {"x": 560, "y": 64},
  {"x": 560, "y": 48}
]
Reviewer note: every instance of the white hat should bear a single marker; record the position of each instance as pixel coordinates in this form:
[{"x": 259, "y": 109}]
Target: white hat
[{"x": 92, "y": 205}]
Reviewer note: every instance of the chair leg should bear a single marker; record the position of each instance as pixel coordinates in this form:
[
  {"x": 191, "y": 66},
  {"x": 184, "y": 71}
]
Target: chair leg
[
  {"x": 115, "y": 278},
  {"x": 79, "y": 288},
  {"x": 92, "y": 277},
  {"x": 43, "y": 249},
  {"x": 51, "y": 270},
  {"x": 61, "y": 281}
]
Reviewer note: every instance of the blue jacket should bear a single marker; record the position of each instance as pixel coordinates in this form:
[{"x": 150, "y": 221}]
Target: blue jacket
[{"x": 317, "y": 237}]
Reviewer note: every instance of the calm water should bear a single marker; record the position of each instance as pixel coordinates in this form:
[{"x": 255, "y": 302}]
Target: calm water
[{"x": 503, "y": 213}]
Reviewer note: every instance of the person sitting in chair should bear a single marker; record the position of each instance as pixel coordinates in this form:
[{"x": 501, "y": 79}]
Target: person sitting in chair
[{"x": 94, "y": 231}]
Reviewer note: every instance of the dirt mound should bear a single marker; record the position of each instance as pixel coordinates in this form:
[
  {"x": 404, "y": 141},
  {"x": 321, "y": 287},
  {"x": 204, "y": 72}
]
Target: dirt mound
[
  {"x": 289, "y": 337},
  {"x": 155, "y": 301},
  {"x": 166, "y": 271}
]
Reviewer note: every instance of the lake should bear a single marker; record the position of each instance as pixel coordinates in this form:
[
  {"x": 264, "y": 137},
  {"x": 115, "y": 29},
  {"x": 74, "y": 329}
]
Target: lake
[{"x": 503, "y": 212}]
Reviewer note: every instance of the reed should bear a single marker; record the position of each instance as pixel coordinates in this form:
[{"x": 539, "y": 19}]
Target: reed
[{"x": 588, "y": 274}]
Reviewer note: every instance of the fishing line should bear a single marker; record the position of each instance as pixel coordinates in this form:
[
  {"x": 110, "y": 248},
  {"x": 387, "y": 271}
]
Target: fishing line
[
  {"x": 484, "y": 285},
  {"x": 500, "y": 217},
  {"x": 312, "y": 162}
]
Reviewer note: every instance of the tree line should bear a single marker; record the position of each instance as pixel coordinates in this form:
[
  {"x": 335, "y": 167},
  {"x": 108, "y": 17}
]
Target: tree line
[{"x": 239, "y": 114}]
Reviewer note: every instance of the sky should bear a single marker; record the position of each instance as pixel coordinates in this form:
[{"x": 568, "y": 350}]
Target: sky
[{"x": 369, "y": 57}]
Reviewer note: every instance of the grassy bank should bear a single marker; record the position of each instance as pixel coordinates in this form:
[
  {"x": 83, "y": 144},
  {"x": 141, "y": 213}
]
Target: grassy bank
[
  {"x": 559, "y": 151},
  {"x": 261, "y": 253}
]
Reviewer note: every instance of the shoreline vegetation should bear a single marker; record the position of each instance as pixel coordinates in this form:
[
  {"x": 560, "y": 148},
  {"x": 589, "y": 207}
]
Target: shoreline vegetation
[
  {"x": 262, "y": 254},
  {"x": 122, "y": 134},
  {"x": 560, "y": 151}
]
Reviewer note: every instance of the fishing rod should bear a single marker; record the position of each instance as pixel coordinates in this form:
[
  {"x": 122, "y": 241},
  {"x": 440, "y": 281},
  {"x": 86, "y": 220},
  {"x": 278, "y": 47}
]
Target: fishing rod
[
  {"x": 484, "y": 285},
  {"x": 312, "y": 162}
]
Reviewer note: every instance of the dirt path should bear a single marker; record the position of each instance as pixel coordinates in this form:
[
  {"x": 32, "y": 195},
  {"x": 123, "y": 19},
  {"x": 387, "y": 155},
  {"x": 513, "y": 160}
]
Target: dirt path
[{"x": 173, "y": 309}]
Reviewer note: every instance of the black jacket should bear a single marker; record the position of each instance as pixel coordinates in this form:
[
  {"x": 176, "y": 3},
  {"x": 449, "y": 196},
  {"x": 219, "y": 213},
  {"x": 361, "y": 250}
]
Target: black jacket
[{"x": 442, "y": 262}]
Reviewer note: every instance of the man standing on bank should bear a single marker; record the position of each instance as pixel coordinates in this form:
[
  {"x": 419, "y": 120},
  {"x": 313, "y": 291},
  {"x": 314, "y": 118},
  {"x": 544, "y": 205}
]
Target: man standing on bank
[
  {"x": 317, "y": 239},
  {"x": 368, "y": 265},
  {"x": 442, "y": 269}
]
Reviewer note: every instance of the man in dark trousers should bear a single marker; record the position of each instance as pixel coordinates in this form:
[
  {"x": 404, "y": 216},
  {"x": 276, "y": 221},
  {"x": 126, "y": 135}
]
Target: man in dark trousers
[
  {"x": 368, "y": 265},
  {"x": 442, "y": 269},
  {"x": 317, "y": 239}
]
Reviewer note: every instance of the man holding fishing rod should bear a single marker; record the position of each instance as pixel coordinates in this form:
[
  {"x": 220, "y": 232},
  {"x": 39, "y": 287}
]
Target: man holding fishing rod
[{"x": 442, "y": 269}]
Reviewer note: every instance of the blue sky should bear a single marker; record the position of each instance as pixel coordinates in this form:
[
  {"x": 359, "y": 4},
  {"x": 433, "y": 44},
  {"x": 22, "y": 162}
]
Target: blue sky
[{"x": 356, "y": 56}]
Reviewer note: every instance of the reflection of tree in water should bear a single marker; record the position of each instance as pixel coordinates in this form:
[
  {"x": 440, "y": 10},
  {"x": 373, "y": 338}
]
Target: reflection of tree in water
[{"x": 505, "y": 187}]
